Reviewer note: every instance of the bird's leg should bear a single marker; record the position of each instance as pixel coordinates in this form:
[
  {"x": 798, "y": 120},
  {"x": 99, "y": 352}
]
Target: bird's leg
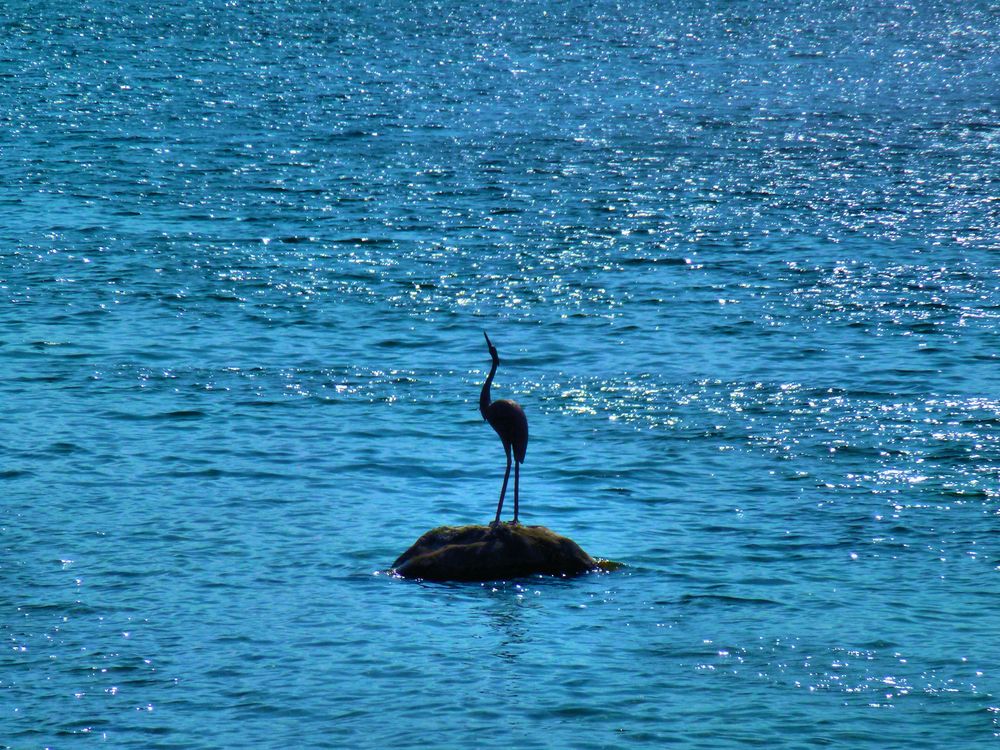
[
  {"x": 517, "y": 477},
  {"x": 503, "y": 490}
]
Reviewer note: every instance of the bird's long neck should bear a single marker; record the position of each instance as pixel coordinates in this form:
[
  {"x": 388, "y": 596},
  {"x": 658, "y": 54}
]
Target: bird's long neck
[{"x": 484, "y": 396}]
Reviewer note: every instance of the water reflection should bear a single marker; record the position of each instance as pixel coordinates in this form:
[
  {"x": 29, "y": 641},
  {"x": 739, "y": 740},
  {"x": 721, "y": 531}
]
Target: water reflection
[{"x": 505, "y": 613}]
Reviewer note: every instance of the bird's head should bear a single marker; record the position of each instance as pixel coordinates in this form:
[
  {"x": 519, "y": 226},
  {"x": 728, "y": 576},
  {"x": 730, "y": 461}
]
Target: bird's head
[{"x": 493, "y": 349}]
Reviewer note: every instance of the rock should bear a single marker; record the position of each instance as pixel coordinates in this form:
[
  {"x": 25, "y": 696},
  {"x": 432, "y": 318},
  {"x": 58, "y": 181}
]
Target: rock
[{"x": 490, "y": 553}]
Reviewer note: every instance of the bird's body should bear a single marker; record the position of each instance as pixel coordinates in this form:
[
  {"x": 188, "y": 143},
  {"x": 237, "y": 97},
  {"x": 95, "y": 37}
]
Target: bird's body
[{"x": 507, "y": 418}]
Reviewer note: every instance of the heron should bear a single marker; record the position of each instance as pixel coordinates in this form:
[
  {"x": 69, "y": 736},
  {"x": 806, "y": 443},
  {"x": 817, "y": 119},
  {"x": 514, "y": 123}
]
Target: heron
[{"x": 507, "y": 418}]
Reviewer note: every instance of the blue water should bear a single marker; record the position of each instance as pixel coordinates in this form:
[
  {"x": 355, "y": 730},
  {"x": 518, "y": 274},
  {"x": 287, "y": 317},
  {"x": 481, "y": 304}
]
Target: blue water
[{"x": 741, "y": 261}]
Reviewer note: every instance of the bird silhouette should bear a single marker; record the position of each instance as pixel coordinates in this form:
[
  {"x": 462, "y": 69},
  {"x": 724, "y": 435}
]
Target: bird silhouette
[{"x": 507, "y": 418}]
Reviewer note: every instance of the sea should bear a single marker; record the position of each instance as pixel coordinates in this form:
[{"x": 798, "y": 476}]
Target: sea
[{"x": 740, "y": 260}]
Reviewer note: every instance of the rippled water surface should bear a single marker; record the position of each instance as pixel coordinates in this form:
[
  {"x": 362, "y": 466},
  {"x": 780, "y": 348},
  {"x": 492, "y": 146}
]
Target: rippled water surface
[{"x": 742, "y": 264}]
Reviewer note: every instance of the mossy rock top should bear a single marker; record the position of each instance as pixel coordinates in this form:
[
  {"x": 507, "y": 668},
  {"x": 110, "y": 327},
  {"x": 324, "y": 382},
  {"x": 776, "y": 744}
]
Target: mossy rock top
[{"x": 492, "y": 553}]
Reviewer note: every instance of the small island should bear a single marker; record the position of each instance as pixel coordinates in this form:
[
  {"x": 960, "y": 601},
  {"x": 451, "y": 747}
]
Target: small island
[{"x": 495, "y": 552}]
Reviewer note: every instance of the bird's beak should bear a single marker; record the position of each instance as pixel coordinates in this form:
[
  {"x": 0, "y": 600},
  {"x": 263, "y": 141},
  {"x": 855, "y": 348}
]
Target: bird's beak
[{"x": 488, "y": 342}]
